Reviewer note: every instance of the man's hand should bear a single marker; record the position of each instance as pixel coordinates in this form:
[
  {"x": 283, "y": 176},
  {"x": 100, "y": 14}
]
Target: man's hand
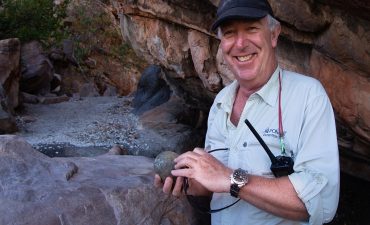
[
  {"x": 201, "y": 167},
  {"x": 168, "y": 185}
]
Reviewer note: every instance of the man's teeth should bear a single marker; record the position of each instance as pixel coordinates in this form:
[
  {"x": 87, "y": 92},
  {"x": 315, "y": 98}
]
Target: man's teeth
[{"x": 244, "y": 58}]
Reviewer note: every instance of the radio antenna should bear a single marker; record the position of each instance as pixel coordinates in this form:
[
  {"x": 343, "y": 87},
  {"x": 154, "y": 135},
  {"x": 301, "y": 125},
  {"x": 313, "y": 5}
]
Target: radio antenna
[{"x": 260, "y": 140}]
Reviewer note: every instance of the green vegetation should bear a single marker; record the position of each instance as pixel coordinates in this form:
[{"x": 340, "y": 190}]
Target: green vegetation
[
  {"x": 94, "y": 33},
  {"x": 91, "y": 30},
  {"x": 98, "y": 47},
  {"x": 31, "y": 19}
]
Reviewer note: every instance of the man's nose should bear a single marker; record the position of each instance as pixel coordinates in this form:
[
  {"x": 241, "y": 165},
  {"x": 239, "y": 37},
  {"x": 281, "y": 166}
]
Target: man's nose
[{"x": 241, "y": 41}]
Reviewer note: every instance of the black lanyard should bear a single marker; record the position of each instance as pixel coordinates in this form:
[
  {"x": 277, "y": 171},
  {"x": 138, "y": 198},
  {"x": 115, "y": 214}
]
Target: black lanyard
[{"x": 192, "y": 199}]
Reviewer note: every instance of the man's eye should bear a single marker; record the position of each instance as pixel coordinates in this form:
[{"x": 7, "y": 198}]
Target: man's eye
[
  {"x": 228, "y": 32},
  {"x": 252, "y": 29}
]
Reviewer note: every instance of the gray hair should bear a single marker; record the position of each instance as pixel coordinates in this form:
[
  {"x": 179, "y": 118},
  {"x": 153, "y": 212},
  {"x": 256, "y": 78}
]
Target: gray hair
[{"x": 272, "y": 23}]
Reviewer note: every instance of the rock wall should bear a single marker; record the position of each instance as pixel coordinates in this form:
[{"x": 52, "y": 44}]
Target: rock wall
[
  {"x": 9, "y": 83},
  {"x": 325, "y": 39}
]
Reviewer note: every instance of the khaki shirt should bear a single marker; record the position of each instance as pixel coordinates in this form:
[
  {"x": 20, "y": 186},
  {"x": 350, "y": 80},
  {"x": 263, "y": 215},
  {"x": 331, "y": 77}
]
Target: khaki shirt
[{"x": 310, "y": 136}]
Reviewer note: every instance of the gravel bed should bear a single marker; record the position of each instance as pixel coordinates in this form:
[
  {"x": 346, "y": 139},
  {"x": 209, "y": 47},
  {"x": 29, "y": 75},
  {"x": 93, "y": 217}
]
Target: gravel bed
[{"x": 85, "y": 122}]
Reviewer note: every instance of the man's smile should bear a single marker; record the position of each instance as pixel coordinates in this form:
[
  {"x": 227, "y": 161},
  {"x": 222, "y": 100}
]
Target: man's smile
[{"x": 245, "y": 57}]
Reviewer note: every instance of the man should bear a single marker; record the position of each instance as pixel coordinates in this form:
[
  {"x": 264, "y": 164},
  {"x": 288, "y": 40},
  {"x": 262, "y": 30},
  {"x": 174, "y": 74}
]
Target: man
[{"x": 291, "y": 113}]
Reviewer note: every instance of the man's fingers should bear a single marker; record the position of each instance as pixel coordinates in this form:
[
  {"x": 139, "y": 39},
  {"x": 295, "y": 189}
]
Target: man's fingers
[
  {"x": 193, "y": 156},
  {"x": 167, "y": 186},
  {"x": 189, "y": 154},
  {"x": 199, "y": 151},
  {"x": 185, "y": 166},
  {"x": 157, "y": 181},
  {"x": 183, "y": 172},
  {"x": 177, "y": 190},
  {"x": 186, "y": 162}
]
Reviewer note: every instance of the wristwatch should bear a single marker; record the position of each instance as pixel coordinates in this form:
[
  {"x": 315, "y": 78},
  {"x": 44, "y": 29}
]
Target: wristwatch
[{"x": 238, "y": 179}]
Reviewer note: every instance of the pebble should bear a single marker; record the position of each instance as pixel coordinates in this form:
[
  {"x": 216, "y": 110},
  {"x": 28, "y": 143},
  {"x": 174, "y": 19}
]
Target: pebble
[{"x": 164, "y": 163}]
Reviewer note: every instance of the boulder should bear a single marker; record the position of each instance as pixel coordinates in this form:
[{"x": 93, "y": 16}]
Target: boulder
[
  {"x": 172, "y": 126},
  {"x": 107, "y": 189},
  {"x": 152, "y": 90},
  {"x": 9, "y": 84},
  {"x": 8, "y": 124},
  {"x": 170, "y": 123},
  {"x": 37, "y": 70},
  {"x": 10, "y": 71}
]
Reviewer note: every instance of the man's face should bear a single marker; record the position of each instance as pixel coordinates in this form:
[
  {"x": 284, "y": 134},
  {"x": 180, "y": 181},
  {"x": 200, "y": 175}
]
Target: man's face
[{"x": 248, "y": 48}]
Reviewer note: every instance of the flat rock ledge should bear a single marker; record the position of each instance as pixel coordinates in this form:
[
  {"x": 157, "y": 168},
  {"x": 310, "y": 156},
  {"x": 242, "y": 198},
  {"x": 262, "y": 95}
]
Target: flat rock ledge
[{"x": 107, "y": 189}]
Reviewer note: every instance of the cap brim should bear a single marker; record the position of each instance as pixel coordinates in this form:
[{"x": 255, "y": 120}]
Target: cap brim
[{"x": 239, "y": 13}]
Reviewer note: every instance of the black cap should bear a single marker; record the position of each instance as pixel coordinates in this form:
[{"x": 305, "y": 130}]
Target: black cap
[{"x": 241, "y": 9}]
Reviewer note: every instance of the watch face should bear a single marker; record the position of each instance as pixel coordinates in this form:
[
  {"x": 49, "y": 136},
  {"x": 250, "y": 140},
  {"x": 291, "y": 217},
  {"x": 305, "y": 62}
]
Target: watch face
[{"x": 240, "y": 176}]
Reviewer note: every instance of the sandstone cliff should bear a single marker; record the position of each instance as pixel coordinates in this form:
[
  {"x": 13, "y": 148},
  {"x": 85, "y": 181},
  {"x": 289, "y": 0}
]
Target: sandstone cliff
[{"x": 325, "y": 39}]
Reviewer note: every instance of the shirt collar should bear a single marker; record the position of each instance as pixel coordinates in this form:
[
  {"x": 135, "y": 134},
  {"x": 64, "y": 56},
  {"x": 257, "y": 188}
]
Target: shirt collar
[
  {"x": 268, "y": 93},
  {"x": 227, "y": 100}
]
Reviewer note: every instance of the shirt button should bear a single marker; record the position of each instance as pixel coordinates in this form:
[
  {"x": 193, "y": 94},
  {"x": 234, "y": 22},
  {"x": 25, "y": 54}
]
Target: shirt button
[{"x": 245, "y": 144}]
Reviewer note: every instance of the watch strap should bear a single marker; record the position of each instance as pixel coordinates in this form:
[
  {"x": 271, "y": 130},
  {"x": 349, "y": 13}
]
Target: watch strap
[
  {"x": 234, "y": 190},
  {"x": 238, "y": 179}
]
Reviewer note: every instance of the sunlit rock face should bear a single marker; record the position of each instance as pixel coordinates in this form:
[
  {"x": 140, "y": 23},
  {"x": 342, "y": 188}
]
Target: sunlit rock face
[{"x": 326, "y": 39}]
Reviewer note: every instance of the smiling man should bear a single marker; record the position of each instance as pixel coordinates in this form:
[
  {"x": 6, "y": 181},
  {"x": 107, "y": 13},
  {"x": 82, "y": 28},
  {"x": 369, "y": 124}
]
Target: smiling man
[{"x": 298, "y": 181}]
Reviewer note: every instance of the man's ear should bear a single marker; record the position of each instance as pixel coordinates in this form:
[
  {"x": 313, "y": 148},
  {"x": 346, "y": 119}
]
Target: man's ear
[{"x": 275, "y": 35}]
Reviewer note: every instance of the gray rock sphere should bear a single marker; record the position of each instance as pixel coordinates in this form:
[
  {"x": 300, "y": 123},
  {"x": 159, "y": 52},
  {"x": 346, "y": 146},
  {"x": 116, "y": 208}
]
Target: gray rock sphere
[{"x": 163, "y": 164}]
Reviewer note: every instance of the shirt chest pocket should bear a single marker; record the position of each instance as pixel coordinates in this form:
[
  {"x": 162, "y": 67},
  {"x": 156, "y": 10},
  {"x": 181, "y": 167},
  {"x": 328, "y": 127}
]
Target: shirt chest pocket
[{"x": 252, "y": 157}]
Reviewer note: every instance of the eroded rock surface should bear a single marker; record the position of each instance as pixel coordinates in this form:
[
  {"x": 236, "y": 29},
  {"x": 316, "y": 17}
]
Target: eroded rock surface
[
  {"x": 108, "y": 189},
  {"x": 9, "y": 83}
]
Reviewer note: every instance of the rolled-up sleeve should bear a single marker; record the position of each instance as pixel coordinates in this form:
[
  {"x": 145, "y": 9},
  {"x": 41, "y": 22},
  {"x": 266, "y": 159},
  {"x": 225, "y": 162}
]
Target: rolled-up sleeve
[{"x": 316, "y": 176}]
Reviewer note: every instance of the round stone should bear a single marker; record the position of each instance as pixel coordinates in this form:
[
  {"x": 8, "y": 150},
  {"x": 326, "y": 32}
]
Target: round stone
[{"x": 163, "y": 164}]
